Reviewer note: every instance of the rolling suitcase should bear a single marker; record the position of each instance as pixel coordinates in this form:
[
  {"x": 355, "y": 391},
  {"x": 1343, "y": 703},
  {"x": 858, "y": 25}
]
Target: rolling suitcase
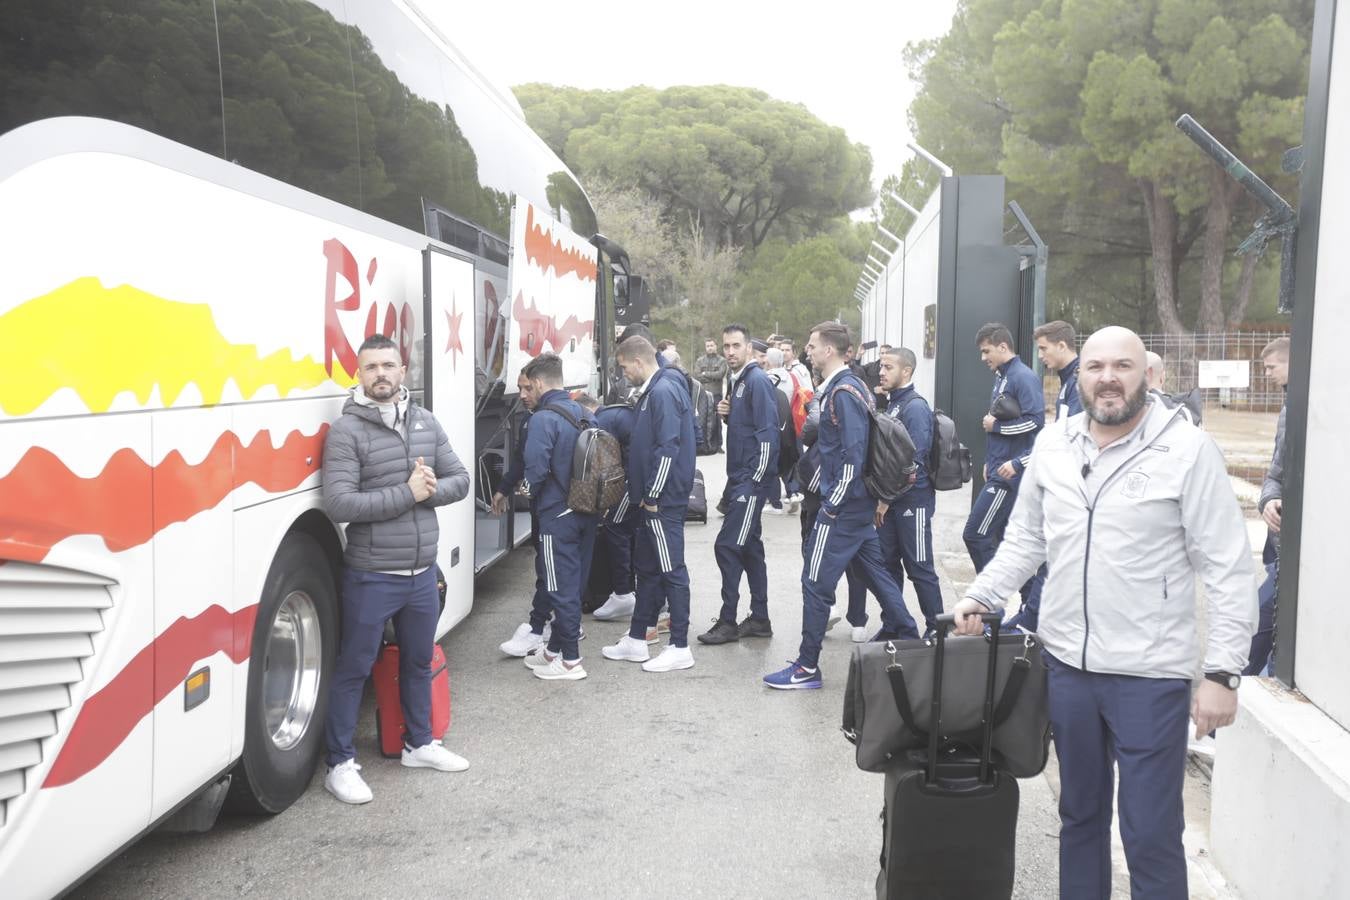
[
  {"x": 697, "y": 511},
  {"x": 949, "y": 826},
  {"x": 388, "y": 710}
]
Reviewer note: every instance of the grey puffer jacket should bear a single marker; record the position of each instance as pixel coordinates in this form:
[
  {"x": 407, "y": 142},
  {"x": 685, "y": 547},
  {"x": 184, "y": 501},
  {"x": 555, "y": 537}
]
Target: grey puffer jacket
[{"x": 366, "y": 465}]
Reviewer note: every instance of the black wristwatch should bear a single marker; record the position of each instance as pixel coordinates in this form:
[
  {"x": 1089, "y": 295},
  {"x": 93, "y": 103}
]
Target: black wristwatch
[{"x": 1227, "y": 679}]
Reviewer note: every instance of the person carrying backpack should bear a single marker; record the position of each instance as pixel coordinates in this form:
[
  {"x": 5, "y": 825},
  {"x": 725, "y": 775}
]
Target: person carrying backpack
[
  {"x": 845, "y": 527},
  {"x": 566, "y": 537},
  {"x": 617, "y": 526},
  {"x": 905, "y": 527}
]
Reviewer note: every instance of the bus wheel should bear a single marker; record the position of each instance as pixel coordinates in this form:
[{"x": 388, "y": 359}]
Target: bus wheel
[{"x": 290, "y": 664}]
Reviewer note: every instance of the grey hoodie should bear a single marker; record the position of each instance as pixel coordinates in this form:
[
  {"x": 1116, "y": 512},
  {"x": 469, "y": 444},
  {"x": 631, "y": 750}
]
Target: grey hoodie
[
  {"x": 1272, "y": 487},
  {"x": 1123, "y": 558},
  {"x": 366, "y": 466}
]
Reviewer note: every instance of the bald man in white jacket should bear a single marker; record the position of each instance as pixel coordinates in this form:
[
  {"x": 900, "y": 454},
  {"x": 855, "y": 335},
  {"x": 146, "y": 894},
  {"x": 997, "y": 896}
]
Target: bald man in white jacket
[{"x": 1128, "y": 503}]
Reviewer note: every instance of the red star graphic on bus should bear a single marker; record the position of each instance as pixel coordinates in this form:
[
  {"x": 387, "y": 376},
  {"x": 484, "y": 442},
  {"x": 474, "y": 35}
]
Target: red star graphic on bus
[{"x": 453, "y": 344}]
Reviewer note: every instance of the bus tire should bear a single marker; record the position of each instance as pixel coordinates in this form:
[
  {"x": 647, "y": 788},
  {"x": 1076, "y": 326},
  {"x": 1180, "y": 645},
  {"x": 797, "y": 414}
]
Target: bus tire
[{"x": 295, "y": 640}]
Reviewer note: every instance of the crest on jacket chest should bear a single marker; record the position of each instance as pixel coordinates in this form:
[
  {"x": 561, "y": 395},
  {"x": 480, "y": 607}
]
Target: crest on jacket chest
[{"x": 1135, "y": 483}]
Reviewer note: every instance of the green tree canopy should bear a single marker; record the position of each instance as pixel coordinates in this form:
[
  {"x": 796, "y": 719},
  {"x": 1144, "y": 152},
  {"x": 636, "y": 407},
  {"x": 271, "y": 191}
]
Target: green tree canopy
[{"x": 739, "y": 164}]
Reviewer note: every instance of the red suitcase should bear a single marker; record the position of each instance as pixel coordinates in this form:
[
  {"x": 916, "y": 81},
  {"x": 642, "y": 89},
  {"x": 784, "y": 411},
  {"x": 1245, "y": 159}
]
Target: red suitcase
[{"x": 389, "y": 712}]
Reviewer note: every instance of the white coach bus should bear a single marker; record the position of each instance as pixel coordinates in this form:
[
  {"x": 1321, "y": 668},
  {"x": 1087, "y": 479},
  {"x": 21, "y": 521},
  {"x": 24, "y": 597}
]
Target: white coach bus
[{"x": 204, "y": 208}]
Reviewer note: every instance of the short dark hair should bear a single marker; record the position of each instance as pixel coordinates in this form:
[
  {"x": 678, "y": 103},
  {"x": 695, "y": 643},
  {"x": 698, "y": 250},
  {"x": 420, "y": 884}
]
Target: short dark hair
[
  {"x": 788, "y": 341},
  {"x": 884, "y": 347},
  {"x": 994, "y": 333},
  {"x": 377, "y": 342},
  {"x": 586, "y": 401},
  {"x": 546, "y": 368},
  {"x": 903, "y": 356},
  {"x": 737, "y": 326},
  {"x": 663, "y": 344},
  {"x": 637, "y": 329},
  {"x": 1057, "y": 332},
  {"x": 636, "y": 348},
  {"x": 1278, "y": 346},
  {"x": 835, "y": 334}
]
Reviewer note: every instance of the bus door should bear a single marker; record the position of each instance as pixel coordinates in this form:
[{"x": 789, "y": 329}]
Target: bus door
[{"x": 448, "y": 311}]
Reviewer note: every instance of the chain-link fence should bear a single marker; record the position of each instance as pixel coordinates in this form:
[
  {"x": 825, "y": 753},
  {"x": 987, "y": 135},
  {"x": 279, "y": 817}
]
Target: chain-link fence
[{"x": 1182, "y": 355}]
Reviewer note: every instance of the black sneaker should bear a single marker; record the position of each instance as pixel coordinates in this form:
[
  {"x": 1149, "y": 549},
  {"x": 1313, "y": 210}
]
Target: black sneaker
[
  {"x": 753, "y": 627},
  {"x": 720, "y": 633}
]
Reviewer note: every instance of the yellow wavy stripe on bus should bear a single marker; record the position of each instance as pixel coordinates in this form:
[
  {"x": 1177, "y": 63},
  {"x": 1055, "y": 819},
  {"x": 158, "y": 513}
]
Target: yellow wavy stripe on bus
[{"x": 101, "y": 341}]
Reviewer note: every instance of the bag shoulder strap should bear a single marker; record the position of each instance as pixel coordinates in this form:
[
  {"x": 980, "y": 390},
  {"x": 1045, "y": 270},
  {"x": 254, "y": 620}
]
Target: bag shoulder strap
[
  {"x": 868, "y": 408},
  {"x": 579, "y": 424}
]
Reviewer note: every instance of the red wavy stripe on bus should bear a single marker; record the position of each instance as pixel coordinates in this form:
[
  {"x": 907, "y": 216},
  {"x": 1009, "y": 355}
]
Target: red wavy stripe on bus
[
  {"x": 111, "y": 713},
  {"x": 42, "y": 502},
  {"x": 537, "y": 329},
  {"x": 542, "y": 250}
]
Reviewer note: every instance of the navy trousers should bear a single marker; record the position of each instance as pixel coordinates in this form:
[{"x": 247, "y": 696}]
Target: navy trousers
[
  {"x": 369, "y": 599},
  {"x": 1140, "y": 724},
  {"x": 984, "y": 532},
  {"x": 907, "y": 546},
  {"x": 658, "y": 558},
  {"x": 857, "y": 592},
  {"x": 618, "y": 529},
  {"x": 1262, "y": 651},
  {"x": 566, "y": 540},
  {"x": 740, "y": 550},
  {"x": 833, "y": 545}
]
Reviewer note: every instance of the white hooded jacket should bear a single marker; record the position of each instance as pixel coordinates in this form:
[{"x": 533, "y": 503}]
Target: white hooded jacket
[{"x": 1123, "y": 558}]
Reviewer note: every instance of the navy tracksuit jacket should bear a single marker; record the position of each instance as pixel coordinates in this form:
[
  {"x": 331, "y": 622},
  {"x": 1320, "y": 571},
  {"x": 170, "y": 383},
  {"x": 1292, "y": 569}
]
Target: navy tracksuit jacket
[
  {"x": 1068, "y": 403},
  {"x": 661, "y": 474},
  {"x": 1009, "y": 441},
  {"x": 566, "y": 538},
  {"x": 752, "y": 473},
  {"x": 844, "y": 532}
]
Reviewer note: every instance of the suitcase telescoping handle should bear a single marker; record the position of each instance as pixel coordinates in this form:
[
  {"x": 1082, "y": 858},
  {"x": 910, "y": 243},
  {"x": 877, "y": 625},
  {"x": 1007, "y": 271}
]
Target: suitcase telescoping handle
[{"x": 993, "y": 620}]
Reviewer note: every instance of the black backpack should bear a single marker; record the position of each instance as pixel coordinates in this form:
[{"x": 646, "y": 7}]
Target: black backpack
[
  {"x": 949, "y": 464},
  {"x": 598, "y": 480},
  {"x": 890, "y": 450}
]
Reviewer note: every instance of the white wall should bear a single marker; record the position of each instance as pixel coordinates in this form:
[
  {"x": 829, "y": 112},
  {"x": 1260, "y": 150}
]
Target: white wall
[{"x": 1321, "y": 662}]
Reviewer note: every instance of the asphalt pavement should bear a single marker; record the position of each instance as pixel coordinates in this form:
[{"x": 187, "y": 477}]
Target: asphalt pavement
[{"x": 697, "y": 783}]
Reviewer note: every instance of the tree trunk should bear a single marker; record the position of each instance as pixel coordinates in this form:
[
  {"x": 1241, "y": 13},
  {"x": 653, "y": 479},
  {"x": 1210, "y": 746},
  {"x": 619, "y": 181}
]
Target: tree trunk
[
  {"x": 1162, "y": 235},
  {"x": 1218, "y": 216},
  {"x": 1243, "y": 296}
]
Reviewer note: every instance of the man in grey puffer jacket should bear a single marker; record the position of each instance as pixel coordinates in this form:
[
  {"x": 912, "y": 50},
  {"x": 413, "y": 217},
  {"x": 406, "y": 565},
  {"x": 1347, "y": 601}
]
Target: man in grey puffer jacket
[{"x": 375, "y": 478}]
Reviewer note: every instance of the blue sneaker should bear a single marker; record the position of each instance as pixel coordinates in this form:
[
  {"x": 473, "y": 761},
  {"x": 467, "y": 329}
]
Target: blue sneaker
[{"x": 793, "y": 678}]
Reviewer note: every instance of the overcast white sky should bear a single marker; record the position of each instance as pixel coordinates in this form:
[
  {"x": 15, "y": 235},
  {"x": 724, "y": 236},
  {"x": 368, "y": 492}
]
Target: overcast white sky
[{"x": 842, "y": 59}]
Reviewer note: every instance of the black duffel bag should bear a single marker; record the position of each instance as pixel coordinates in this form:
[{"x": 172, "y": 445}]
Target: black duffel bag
[{"x": 887, "y": 701}]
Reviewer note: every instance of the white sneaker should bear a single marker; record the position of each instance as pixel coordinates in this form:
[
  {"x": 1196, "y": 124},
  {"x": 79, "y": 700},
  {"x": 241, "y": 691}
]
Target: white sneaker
[
  {"x": 671, "y": 658},
  {"x": 344, "y": 782},
  {"x": 618, "y": 606},
  {"x": 523, "y": 641},
  {"x": 775, "y": 511},
  {"x": 557, "y": 670},
  {"x": 859, "y": 634},
  {"x": 538, "y": 657},
  {"x": 433, "y": 756},
  {"x": 627, "y": 648}
]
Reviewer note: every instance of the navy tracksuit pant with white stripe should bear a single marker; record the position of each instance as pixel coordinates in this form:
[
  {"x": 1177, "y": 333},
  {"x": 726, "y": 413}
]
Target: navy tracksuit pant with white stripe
[
  {"x": 738, "y": 549},
  {"x": 907, "y": 546},
  {"x": 565, "y": 545},
  {"x": 834, "y": 543},
  {"x": 658, "y": 561},
  {"x": 984, "y": 532},
  {"x": 618, "y": 528}
]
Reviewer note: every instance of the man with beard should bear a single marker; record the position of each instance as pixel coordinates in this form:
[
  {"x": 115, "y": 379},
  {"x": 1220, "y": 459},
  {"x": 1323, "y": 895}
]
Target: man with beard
[
  {"x": 1128, "y": 504},
  {"x": 377, "y": 479},
  {"x": 751, "y": 413}
]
